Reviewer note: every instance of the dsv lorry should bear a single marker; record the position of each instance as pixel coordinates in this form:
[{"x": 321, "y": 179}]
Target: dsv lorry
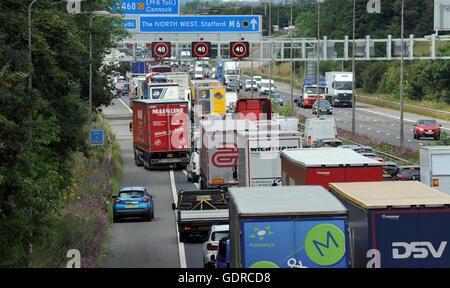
[
  {"x": 435, "y": 167},
  {"x": 396, "y": 224},
  {"x": 259, "y": 155},
  {"x": 160, "y": 132},
  {"x": 287, "y": 227}
]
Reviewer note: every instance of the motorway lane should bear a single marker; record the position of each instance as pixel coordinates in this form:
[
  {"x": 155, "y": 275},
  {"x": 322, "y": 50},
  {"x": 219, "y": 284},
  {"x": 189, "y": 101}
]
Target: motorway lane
[
  {"x": 370, "y": 120},
  {"x": 165, "y": 242},
  {"x": 136, "y": 243}
]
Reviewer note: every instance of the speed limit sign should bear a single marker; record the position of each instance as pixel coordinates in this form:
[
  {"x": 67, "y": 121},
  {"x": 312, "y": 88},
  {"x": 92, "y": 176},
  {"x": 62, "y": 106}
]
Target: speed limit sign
[
  {"x": 201, "y": 49},
  {"x": 239, "y": 49},
  {"x": 160, "y": 49}
]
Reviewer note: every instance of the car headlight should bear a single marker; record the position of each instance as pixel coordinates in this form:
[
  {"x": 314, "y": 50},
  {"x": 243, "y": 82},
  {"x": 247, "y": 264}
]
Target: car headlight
[{"x": 421, "y": 129}]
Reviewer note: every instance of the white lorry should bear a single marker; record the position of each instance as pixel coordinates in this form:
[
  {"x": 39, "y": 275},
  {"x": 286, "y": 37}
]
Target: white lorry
[
  {"x": 319, "y": 128},
  {"x": 219, "y": 152},
  {"x": 230, "y": 69},
  {"x": 259, "y": 155},
  {"x": 164, "y": 91},
  {"x": 435, "y": 167},
  {"x": 340, "y": 88}
]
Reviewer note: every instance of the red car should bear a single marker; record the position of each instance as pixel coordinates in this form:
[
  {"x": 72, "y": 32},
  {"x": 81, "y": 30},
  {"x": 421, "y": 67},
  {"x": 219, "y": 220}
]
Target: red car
[{"x": 427, "y": 128}]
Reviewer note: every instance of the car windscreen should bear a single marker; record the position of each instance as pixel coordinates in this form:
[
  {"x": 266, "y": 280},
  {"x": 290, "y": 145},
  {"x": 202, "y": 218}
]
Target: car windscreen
[
  {"x": 131, "y": 194},
  {"x": 216, "y": 236},
  {"x": 427, "y": 122}
]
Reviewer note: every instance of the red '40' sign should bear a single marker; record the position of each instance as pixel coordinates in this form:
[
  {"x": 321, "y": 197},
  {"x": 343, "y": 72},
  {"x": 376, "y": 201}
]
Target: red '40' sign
[{"x": 160, "y": 49}]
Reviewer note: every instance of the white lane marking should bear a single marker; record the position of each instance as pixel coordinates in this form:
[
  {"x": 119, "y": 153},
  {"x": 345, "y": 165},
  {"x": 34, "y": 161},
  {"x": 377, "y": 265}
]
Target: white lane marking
[
  {"x": 395, "y": 117},
  {"x": 126, "y": 106},
  {"x": 181, "y": 252}
]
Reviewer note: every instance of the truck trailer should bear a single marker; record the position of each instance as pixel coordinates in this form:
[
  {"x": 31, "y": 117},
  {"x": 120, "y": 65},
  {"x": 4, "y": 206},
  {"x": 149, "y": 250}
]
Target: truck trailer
[
  {"x": 321, "y": 166},
  {"x": 435, "y": 167},
  {"x": 161, "y": 132},
  {"x": 396, "y": 224},
  {"x": 259, "y": 155},
  {"x": 287, "y": 227},
  {"x": 219, "y": 154}
]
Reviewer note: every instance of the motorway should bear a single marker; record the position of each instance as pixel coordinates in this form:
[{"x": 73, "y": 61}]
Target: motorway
[
  {"x": 370, "y": 120},
  {"x": 136, "y": 243}
]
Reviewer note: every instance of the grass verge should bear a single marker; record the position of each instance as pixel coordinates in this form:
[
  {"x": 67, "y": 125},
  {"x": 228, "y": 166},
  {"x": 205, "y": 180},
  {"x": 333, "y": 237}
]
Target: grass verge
[{"x": 83, "y": 216}]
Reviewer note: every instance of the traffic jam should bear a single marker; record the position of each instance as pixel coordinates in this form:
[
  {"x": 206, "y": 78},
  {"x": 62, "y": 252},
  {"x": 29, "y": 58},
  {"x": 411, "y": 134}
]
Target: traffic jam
[{"x": 278, "y": 191}]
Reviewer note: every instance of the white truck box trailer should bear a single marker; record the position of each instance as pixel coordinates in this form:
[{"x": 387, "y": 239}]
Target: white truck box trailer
[
  {"x": 435, "y": 167},
  {"x": 259, "y": 155}
]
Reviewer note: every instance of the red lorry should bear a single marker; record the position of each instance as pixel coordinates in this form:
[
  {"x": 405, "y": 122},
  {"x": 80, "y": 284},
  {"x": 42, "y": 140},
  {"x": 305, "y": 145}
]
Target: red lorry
[
  {"x": 321, "y": 166},
  {"x": 160, "y": 132},
  {"x": 254, "y": 109}
]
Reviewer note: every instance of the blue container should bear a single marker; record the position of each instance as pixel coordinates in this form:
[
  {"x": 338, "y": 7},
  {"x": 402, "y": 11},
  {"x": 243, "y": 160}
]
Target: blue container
[{"x": 287, "y": 227}]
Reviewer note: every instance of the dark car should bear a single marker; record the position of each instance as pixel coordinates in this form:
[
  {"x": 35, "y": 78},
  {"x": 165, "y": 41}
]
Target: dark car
[
  {"x": 324, "y": 108},
  {"x": 276, "y": 98},
  {"x": 328, "y": 142},
  {"x": 408, "y": 173},
  {"x": 298, "y": 100},
  {"x": 390, "y": 170},
  {"x": 427, "y": 128}
]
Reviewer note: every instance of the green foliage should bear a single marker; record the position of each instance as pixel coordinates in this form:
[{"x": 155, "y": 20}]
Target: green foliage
[{"x": 40, "y": 129}]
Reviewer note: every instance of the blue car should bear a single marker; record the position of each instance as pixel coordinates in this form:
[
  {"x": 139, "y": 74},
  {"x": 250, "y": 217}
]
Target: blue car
[
  {"x": 223, "y": 253},
  {"x": 133, "y": 202}
]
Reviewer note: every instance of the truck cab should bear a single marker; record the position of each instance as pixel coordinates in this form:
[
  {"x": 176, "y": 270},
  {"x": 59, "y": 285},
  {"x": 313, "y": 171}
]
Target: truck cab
[
  {"x": 309, "y": 91},
  {"x": 340, "y": 88}
]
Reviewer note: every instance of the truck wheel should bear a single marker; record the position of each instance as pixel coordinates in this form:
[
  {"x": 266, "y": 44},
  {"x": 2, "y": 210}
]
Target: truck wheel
[{"x": 146, "y": 163}]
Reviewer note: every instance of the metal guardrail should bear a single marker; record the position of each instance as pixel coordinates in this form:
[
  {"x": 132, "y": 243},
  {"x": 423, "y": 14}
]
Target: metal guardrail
[{"x": 445, "y": 113}]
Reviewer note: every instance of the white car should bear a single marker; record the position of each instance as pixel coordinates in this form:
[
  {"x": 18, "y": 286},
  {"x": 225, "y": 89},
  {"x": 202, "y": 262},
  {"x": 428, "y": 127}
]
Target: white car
[
  {"x": 210, "y": 246},
  {"x": 258, "y": 80},
  {"x": 193, "y": 168},
  {"x": 248, "y": 85}
]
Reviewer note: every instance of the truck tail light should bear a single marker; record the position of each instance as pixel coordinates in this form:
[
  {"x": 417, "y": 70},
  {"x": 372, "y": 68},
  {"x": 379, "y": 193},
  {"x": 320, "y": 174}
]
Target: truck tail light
[
  {"x": 187, "y": 228},
  {"x": 211, "y": 247},
  {"x": 309, "y": 140},
  {"x": 400, "y": 176}
]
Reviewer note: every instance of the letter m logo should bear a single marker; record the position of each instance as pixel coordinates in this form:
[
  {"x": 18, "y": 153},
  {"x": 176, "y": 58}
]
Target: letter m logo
[{"x": 327, "y": 245}]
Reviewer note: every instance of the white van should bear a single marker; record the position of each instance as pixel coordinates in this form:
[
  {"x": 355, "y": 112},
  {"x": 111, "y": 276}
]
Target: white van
[
  {"x": 265, "y": 86},
  {"x": 318, "y": 128},
  {"x": 193, "y": 168}
]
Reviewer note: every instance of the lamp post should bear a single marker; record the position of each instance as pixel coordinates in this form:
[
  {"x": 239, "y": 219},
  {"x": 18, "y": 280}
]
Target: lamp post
[
  {"x": 30, "y": 132},
  {"x": 353, "y": 73},
  {"x": 100, "y": 13},
  {"x": 402, "y": 140},
  {"x": 318, "y": 59}
]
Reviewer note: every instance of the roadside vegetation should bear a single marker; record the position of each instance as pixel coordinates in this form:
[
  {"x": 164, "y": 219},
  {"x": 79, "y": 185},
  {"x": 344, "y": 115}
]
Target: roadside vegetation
[
  {"x": 43, "y": 135},
  {"x": 83, "y": 213}
]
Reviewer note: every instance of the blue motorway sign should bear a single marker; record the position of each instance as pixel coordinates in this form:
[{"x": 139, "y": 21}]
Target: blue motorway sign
[
  {"x": 195, "y": 24},
  {"x": 130, "y": 24},
  {"x": 150, "y": 7},
  {"x": 96, "y": 137}
]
